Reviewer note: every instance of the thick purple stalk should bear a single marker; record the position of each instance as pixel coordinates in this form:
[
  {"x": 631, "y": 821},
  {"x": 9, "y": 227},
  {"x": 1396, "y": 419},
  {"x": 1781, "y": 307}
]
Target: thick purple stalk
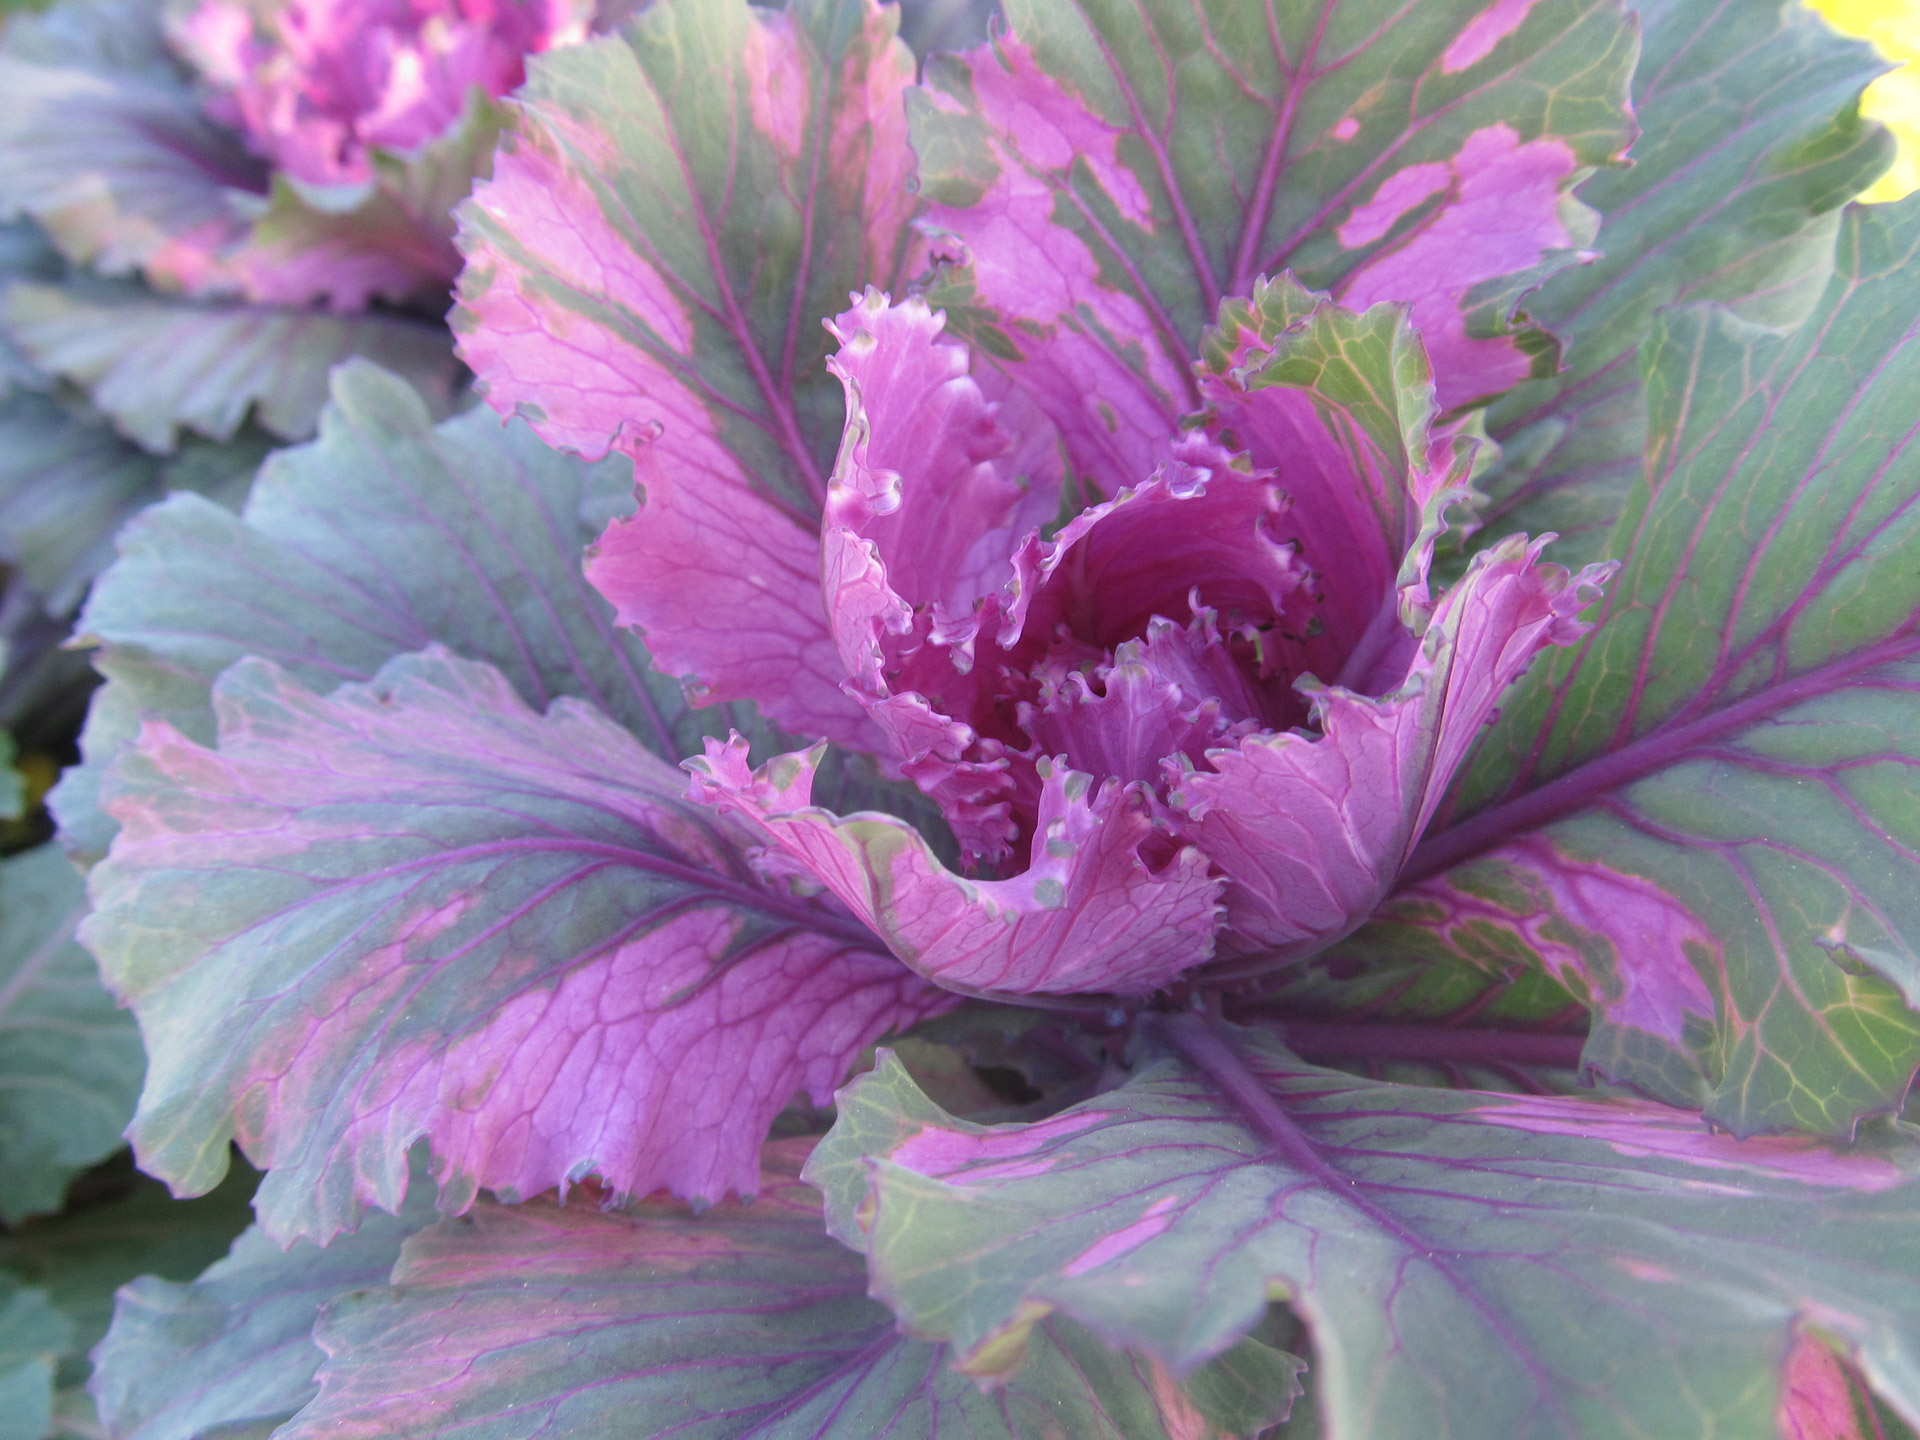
[
  {"x": 1579, "y": 788},
  {"x": 1338, "y": 1040}
]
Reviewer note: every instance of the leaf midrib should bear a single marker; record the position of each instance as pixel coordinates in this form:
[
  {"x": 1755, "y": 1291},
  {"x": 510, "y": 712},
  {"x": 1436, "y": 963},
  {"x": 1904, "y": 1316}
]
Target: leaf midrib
[{"x": 1663, "y": 747}]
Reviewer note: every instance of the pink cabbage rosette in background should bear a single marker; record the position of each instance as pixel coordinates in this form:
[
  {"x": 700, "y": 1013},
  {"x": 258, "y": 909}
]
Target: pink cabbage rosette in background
[
  {"x": 316, "y": 85},
  {"x": 280, "y": 175},
  {"x": 283, "y": 152},
  {"x": 376, "y": 116},
  {"x": 1204, "y": 719}
]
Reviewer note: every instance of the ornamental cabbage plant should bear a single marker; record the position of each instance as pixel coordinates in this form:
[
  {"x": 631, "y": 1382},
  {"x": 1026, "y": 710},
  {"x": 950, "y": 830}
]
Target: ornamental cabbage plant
[
  {"x": 209, "y": 206},
  {"x": 291, "y": 153},
  {"x": 1197, "y": 723}
]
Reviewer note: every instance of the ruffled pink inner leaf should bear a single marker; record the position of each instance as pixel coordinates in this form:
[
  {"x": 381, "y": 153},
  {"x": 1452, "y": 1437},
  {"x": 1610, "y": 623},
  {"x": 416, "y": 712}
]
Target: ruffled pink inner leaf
[
  {"x": 1339, "y": 406},
  {"x": 1313, "y": 829},
  {"x": 1089, "y": 912}
]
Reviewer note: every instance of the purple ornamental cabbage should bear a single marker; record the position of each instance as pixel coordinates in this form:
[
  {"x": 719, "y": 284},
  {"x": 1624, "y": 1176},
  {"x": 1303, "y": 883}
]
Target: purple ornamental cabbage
[
  {"x": 1112, "y": 721},
  {"x": 1219, "y": 707},
  {"x": 1104, "y": 660},
  {"x": 315, "y": 85},
  {"x": 318, "y": 90},
  {"x": 281, "y": 176},
  {"x": 310, "y": 154}
]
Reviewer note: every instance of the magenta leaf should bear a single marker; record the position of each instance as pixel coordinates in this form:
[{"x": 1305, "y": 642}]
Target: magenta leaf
[
  {"x": 1109, "y": 176},
  {"x": 674, "y": 211},
  {"x": 1314, "y": 829},
  {"x": 744, "y": 1321},
  {"x": 1468, "y": 1263},
  {"x": 1736, "y": 737},
  {"x": 1825, "y": 1398},
  {"x": 1088, "y": 913},
  {"x": 505, "y": 932}
]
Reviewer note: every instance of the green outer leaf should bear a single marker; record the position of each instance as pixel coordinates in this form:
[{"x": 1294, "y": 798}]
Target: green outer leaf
[
  {"x": 81, "y": 1258},
  {"x": 1614, "y": 954},
  {"x": 743, "y": 1321},
  {"x": 383, "y": 535},
  {"x": 1390, "y": 1004},
  {"x": 13, "y": 785},
  {"x": 70, "y": 1058},
  {"x": 155, "y": 364},
  {"x": 1740, "y": 730},
  {"x": 24, "y": 255},
  {"x": 67, "y": 482},
  {"x": 231, "y": 1353},
  {"x": 1470, "y": 1264},
  {"x": 1749, "y": 146},
  {"x": 32, "y": 1333},
  {"x": 1233, "y": 158}
]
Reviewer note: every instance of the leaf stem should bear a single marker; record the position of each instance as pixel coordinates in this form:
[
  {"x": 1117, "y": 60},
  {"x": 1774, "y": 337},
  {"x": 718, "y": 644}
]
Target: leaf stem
[
  {"x": 1577, "y": 789},
  {"x": 1200, "y": 1041},
  {"x": 1335, "y": 1039}
]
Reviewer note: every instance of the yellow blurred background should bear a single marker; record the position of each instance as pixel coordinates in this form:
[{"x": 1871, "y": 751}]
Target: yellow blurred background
[{"x": 1894, "y": 100}]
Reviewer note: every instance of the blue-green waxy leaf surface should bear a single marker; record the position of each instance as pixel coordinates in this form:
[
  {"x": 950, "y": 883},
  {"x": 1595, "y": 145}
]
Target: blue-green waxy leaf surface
[
  {"x": 1469, "y": 1264},
  {"x": 80, "y": 1258},
  {"x": 158, "y": 364},
  {"x": 32, "y": 1335},
  {"x": 231, "y": 1353},
  {"x": 1749, "y": 144},
  {"x": 70, "y": 1058},
  {"x": 67, "y": 483},
  {"x": 385, "y": 534},
  {"x": 746, "y": 1323},
  {"x": 1702, "y": 816}
]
